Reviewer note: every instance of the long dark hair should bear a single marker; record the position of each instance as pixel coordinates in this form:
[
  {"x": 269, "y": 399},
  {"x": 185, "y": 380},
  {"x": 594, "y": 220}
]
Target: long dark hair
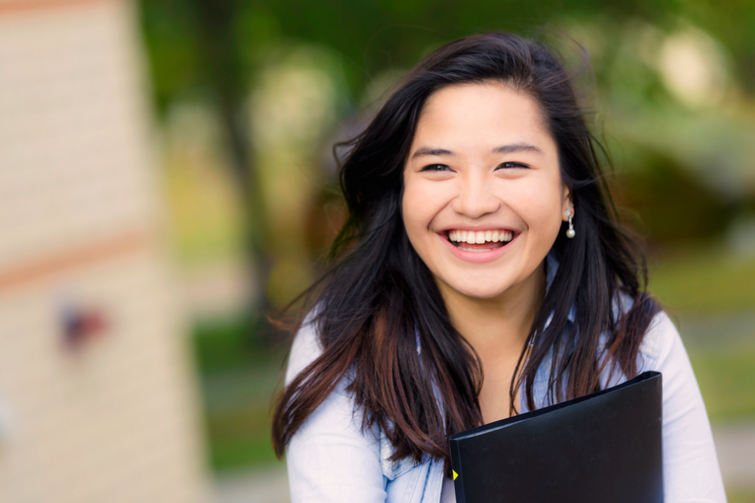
[{"x": 378, "y": 296}]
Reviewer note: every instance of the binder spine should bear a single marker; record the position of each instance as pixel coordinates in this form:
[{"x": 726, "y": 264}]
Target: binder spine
[{"x": 458, "y": 476}]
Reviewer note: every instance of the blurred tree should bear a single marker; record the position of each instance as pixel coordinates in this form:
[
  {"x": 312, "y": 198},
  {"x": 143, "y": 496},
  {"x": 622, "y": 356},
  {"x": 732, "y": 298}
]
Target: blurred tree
[
  {"x": 194, "y": 49},
  {"x": 215, "y": 46}
]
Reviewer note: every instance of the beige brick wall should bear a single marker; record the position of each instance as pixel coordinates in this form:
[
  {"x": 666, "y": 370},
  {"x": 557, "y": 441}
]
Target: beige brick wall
[
  {"x": 72, "y": 155},
  {"x": 117, "y": 418}
]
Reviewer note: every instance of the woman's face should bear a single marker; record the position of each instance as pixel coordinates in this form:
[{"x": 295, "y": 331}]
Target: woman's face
[{"x": 483, "y": 198}]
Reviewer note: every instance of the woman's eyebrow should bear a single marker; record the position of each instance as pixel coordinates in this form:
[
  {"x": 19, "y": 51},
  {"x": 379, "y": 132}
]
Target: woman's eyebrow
[
  {"x": 432, "y": 151},
  {"x": 517, "y": 147}
]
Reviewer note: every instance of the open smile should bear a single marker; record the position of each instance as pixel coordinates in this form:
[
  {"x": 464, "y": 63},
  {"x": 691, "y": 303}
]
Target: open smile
[
  {"x": 477, "y": 241},
  {"x": 479, "y": 246}
]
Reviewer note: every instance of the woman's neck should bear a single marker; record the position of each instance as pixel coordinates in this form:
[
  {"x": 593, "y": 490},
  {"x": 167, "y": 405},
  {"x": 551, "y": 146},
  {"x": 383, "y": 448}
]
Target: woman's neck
[{"x": 497, "y": 327}]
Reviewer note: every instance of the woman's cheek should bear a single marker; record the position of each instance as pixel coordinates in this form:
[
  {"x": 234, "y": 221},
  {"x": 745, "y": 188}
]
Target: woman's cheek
[
  {"x": 538, "y": 204},
  {"x": 423, "y": 200}
]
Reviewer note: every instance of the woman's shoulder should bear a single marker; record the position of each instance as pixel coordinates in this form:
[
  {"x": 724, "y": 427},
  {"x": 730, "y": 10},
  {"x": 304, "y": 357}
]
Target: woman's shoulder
[
  {"x": 661, "y": 348},
  {"x": 660, "y": 338},
  {"x": 305, "y": 348},
  {"x": 337, "y": 418}
]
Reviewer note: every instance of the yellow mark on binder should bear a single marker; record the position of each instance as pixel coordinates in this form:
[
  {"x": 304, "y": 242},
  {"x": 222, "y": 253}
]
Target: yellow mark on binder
[{"x": 455, "y": 474}]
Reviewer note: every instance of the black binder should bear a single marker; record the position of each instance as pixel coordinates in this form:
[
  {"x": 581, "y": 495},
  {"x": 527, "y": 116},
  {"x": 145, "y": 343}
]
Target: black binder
[{"x": 601, "y": 448}]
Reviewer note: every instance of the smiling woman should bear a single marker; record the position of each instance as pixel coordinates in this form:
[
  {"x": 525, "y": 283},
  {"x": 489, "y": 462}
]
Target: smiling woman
[{"x": 480, "y": 273}]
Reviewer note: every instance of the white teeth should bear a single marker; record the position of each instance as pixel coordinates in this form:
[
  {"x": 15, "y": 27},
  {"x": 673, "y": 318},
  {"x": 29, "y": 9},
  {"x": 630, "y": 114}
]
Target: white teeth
[{"x": 480, "y": 237}]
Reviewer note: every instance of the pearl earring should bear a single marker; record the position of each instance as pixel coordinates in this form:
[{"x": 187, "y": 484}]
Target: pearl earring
[{"x": 570, "y": 233}]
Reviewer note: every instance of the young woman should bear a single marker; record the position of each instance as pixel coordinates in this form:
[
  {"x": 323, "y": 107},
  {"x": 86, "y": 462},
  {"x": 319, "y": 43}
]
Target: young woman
[{"x": 480, "y": 273}]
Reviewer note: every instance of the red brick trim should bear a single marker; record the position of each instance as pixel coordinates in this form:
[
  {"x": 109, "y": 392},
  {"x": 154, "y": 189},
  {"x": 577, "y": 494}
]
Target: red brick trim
[
  {"x": 74, "y": 258},
  {"x": 18, "y": 6}
]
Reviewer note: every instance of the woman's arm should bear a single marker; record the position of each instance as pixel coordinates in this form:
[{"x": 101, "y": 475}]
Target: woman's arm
[
  {"x": 329, "y": 459},
  {"x": 690, "y": 465}
]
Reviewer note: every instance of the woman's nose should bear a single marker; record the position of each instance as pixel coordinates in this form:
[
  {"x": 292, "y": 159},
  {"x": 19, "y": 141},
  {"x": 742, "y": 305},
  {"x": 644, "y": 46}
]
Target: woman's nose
[{"x": 476, "y": 198}]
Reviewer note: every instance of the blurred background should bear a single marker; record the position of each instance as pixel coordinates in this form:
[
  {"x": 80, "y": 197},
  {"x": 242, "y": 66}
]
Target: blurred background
[{"x": 166, "y": 175}]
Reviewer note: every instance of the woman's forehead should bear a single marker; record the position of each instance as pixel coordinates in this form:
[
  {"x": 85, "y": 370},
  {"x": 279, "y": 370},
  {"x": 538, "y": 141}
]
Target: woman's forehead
[{"x": 481, "y": 116}]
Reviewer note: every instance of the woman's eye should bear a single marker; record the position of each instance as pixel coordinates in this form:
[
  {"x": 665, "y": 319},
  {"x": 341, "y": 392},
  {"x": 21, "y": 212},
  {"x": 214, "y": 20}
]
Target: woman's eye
[
  {"x": 435, "y": 168},
  {"x": 510, "y": 165}
]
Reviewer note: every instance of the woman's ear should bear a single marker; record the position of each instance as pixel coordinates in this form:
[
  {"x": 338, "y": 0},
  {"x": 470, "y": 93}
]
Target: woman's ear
[{"x": 567, "y": 205}]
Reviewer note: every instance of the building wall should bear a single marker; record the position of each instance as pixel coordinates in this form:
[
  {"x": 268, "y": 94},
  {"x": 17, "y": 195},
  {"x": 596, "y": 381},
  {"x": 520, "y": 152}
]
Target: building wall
[{"x": 97, "y": 398}]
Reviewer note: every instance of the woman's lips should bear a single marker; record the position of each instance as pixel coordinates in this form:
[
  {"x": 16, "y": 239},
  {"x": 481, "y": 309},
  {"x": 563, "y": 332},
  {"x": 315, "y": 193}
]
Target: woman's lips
[{"x": 478, "y": 252}]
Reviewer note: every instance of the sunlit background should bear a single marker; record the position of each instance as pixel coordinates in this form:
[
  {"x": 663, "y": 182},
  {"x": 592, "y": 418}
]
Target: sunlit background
[{"x": 166, "y": 175}]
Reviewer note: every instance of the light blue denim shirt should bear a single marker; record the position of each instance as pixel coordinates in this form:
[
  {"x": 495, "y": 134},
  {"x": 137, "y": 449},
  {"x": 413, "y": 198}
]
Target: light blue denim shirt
[{"x": 330, "y": 459}]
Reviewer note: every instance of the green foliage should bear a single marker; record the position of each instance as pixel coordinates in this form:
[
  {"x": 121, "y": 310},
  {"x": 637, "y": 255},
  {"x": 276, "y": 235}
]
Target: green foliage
[
  {"x": 672, "y": 204},
  {"x": 173, "y": 48},
  {"x": 238, "y": 376},
  {"x": 242, "y": 452},
  {"x": 238, "y": 380},
  {"x": 240, "y": 435},
  {"x": 372, "y": 36},
  {"x": 228, "y": 344}
]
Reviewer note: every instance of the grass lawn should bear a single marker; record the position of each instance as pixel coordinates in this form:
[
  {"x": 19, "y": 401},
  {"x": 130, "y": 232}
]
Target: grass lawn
[
  {"x": 237, "y": 406},
  {"x": 708, "y": 281},
  {"x": 240, "y": 437},
  {"x": 727, "y": 382},
  {"x": 238, "y": 380},
  {"x": 740, "y": 497}
]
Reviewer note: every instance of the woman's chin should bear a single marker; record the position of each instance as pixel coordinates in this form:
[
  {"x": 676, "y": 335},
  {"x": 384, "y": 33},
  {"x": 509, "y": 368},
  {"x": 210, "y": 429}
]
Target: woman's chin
[
  {"x": 482, "y": 292},
  {"x": 483, "y": 295}
]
